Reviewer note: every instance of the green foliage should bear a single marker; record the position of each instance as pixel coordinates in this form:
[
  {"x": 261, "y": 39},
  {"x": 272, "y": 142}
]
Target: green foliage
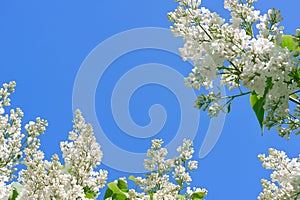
[
  {"x": 117, "y": 190},
  {"x": 290, "y": 43},
  {"x": 181, "y": 197},
  {"x": 90, "y": 194},
  {"x": 194, "y": 196},
  {"x": 14, "y": 195},
  {"x": 122, "y": 185},
  {"x": 295, "y": 75},
  {"x": 257, "y": 104},
  {"x": 132, "y": 178},
  {"x": 18, "y": 188},
  {"x": 295, "y": 96},
  {"x": 198, "y": 195}
]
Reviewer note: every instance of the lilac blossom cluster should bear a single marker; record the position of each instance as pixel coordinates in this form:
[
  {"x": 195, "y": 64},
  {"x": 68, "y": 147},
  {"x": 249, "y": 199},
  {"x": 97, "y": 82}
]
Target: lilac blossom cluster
[
  {"x": 75, "y": 178},
  {"x": 168, "y": 179},
  {"x": 242, "y": 60},
  {"x": 285, "y": 178}
]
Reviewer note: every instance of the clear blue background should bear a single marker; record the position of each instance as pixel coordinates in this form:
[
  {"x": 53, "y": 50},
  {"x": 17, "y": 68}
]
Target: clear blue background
[{"x": 43, "y": 44}]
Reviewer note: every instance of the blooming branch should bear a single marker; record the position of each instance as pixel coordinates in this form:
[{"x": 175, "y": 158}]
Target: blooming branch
[
  {"x": 158, "y": 183},
  {"x": 264, "y": 63},
  {"x": 285, "y": 178},
  {"x": 42, "y": 179}
]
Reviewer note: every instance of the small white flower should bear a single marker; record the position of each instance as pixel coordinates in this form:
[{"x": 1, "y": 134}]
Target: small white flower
[{"x": 285, "y": 178}]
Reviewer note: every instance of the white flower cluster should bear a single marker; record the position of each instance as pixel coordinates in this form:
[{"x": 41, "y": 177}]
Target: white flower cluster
[
  {"x": 242, "y": 14},
  {"x": 10, "y": 135},
  {"x": 42, "y": 179},
  {"x": 285, "y": 178},
  {"x": 13, "y": 141},
  {"x": 158, "y": 183},
  {"x": 232, "y": 51},
  {"x": 76, "y": 178}
]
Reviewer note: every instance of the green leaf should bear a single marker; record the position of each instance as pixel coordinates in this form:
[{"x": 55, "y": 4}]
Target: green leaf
[
  {"x": 198, "y": 195},
  {"x": 295, "y": 76},
  {"x": 122, "y": 185},
  {"x": 151, "y": 195},
  {"x": 295, "y": 96},
  {"x": 115, "y": 192},
  {"x": 179, "y": 196},
  {"x": 108, "y": 193},
  {"x": 114, "y": 188},
  {"x": 18, "y": 188},
  {"x": 90, "y": 194},
  {"x": 289, "y": 43},
  {"x": 119, "y": 196},
  {"x": 132, "y": 178},
  {"x": 257, "y": 104},
  {"x": 14, "y": 195},
  {"x": 228, "y": 107}
]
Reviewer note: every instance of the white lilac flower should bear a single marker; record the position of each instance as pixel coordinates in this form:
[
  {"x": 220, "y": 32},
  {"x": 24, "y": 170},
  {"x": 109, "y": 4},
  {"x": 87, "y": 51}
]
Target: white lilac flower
[
  {"x": 158, "y": 183},
  {"x": 44, "y": 179},
  {"x": 12, "y": 140},
  {"x": 5, "y": 189},
  {"x": 186, "y": 150},
  {"x": 156, "y": 143},
  {"x": 232, "y": 53},
  {"x": 285, "y": 178},
  {"x": 192, "y": 164}
]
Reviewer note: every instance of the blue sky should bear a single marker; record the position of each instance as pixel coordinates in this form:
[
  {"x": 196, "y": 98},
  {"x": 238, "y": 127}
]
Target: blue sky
[{"x": 44, "y": 43}]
